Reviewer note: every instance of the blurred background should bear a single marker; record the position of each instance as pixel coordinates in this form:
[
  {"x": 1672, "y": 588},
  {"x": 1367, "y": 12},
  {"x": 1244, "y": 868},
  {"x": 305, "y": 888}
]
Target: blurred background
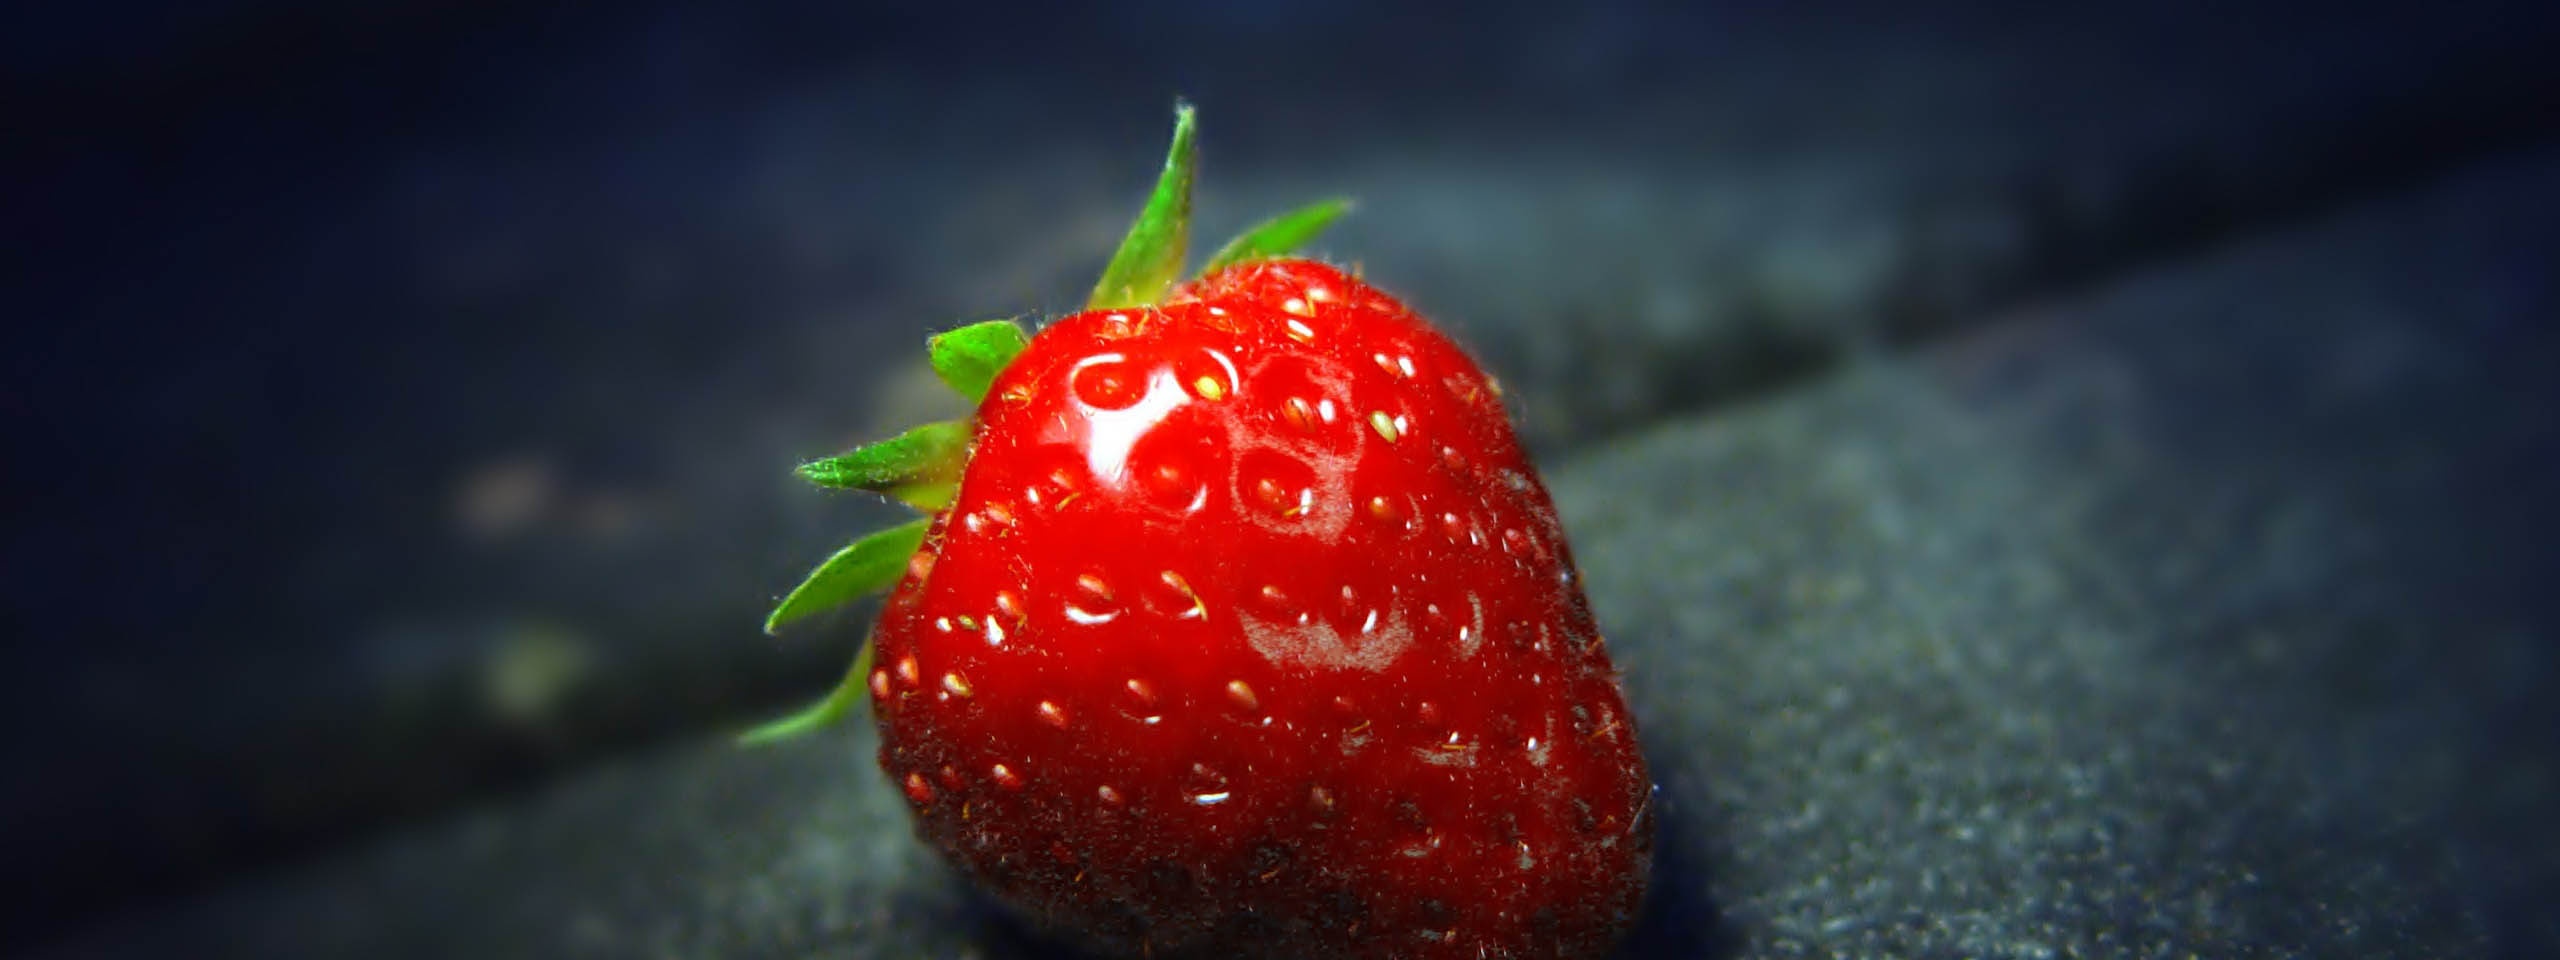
[{"x": 400, "y": 396}]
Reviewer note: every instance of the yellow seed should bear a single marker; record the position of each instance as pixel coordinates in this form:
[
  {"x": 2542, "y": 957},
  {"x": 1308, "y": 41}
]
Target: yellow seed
[
  {"x": 1242, "y": 695},
  {"x": 1209, "y": 389},
  {"x": 1385, "y": 425}
]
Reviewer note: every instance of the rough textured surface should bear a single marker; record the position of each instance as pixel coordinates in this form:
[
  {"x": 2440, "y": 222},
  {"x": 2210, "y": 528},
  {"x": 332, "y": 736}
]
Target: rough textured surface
[
  {"x": 2209, "y": 616},
  {"x": 2205, "y": 616}
]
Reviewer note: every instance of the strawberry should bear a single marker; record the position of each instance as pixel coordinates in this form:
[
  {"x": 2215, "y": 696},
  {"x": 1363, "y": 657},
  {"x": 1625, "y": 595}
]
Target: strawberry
[{"x": 1241, "y": 624}]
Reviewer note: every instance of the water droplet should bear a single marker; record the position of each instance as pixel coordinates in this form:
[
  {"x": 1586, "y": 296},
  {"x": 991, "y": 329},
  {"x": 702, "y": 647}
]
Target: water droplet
[
  {"x": 942, "y": 624},
  {"x": 1209, "y": 799},
  {"x": 1241, "y": 694}
]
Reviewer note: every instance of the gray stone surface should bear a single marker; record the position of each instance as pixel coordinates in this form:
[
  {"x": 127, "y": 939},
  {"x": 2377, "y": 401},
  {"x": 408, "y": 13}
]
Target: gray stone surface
[{"x": 2206, "y": 616}]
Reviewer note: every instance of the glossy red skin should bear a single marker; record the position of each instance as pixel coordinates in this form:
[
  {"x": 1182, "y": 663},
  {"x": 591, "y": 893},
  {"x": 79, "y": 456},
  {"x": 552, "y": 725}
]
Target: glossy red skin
[{"x": 1340, "y": 695}]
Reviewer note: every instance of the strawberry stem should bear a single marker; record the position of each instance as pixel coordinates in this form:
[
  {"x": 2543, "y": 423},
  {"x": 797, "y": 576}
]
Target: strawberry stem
[
  {"x": 872, "y": 563},
  {"x": 822, "y": 714},
  {"x": 1279, "y": 236},
  {"x": 1150, "y": 257},
  {"x": 919, "y": 464},
  {"x": 969, "y": 358}
]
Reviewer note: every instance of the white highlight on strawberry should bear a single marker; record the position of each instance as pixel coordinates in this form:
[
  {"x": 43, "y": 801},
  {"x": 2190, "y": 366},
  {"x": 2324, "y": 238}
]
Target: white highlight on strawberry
[{"x": 1111, "y": 433}]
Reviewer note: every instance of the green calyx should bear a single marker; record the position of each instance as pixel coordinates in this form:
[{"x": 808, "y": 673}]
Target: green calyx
[
  {"x": 922, "y": 467},
  {"x": 1279, "y": 236}
]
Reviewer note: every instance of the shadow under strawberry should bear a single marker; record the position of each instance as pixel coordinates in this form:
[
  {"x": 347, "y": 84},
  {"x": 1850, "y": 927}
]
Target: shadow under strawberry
[{"x": 1680, "y": 917}]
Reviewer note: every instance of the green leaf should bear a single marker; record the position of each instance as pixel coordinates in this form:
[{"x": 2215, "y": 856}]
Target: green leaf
[
  {"x": 969, "y": 358},
  {"x": 872, "y": 563},
  {"x": 929, "y": 496},
  {"x": 1280, "y": 236},
  {"x": 922, "y": 459},
  {"x": 1150, "y": 258},
  {"x": 822, "y": 714}
]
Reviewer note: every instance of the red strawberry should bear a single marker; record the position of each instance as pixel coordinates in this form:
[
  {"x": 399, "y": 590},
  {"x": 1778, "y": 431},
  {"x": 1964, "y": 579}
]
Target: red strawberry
[{"x": 1249, "y": 629}]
